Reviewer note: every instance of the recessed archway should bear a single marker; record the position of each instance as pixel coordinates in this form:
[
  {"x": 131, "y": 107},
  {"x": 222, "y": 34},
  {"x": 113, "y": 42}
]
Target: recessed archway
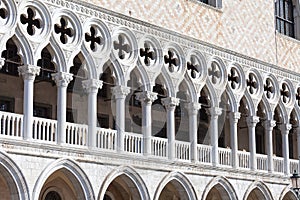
[{"x": 173, "y": 190}]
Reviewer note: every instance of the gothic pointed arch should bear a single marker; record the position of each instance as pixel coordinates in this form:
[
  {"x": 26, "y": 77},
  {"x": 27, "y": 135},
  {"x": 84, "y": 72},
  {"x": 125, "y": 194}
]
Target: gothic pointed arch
[
  {"x": 25, "y": 48},
  {"x": 175, "y": 185},
  {"x": 12, "y": 181},
  {"x": 258, "y": 190},
  {"x": 65, "y": 177},
  {"x": 288, "y": 194},
  {"x": 220, "y": 188},
  {"x": 127, "y": 180}
]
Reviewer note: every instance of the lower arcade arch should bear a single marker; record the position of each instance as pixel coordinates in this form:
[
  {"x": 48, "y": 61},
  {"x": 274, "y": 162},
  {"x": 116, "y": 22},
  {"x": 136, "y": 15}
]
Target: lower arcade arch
[
  {"x": 219, "y": 188},
  {"x": 175, "y": 186},
  {"x": 63, "y": 179},
  {"x": 123, "y": 183},
  {"x": 12, "y": 182},
  {"x": 258, "y": 190}
]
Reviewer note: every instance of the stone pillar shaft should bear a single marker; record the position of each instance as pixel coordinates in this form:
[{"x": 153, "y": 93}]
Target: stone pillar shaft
[
  {"x": 92, "y": 86},
  {"x": 170, "y": 103},
  {"x": 252, "y": 121},
  {"x": 234, "y": 118},
  {"x": 285, "y": 147},
  {"x": 62, "y": 79},
  {"x": 214, "y": 113},
  {"x": 269, "y": 125},
  {"x": 28, "y": 73}
]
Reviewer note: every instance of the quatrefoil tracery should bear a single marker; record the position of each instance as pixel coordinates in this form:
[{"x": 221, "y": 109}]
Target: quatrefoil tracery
[
  {"x": 122, "y": 47},
  {"x": 93, "y": 38},
  {"x": 214, "y": 72},
  {"x": 3, "y": 12},
  {"x": 269, "y": 88},
  {"x": 285, "y": 93},
  {"x": 252, "y": 83},
  {"x": 148, "y": 54},
  {"x": 193, "y": 67},
  {"x": 63, "y": 30},
  {"x": 31, "y": 21},
  {"x": 233, "y": 78},
  {"x": 171, "y": 60}
]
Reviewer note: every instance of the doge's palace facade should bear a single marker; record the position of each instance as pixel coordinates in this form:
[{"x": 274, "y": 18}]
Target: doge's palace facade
[{"x": 126, "y": 100}]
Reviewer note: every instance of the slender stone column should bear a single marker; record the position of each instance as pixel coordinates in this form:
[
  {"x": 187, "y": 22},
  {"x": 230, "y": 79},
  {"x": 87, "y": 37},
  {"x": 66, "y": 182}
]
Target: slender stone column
[
  {"x": 298, "y": 146},
  {"x": 170, "y": 103},
  {"x": 62, "y": 79},
  {"x": 234, "y": 118},
  {"x": 214, "y": 115},
  {"x": 252, "y": 121},
  {"x": 285, "y": 129},
  {"x": 269, "y": 125},
  {"x": 120, "y": 93},
  {"x": 92, "y": 86},
  {"x": 2, "y": 62},
  {"x": 28, "y": 73},
  {"x": 146, "y": 99},
  {"x": 193, "y": 109}
]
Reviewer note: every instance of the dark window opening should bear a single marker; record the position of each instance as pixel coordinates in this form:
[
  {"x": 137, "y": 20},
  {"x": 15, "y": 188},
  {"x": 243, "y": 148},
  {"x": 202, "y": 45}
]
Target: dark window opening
[
  {"x": 71, "y": 115},
  {"x": 78, "y": 76},
  {"x": 52, "y": 195},
  {"x": 12, "y": 59},
  {"x": 7, "y": 104},
  {"x": 42, "y": 110},
  {"x": 47, "y": 67},
  {"x": 285, "y": 17},
  {"x": 103, "y": 120}
]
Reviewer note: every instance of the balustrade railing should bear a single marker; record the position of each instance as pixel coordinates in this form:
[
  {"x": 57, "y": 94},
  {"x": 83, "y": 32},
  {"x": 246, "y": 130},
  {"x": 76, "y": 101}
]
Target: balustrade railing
[
  {"x": 159, "y": 147},
  {"x": 182, "y": 150},
  {"x": 133, "y": 142},
  {"x": 262, "y": 162},
  {"x": 11, "y": 124},
  {"x": 44, "y": 129},
  {"x": 106, "y": 139},
  {"x": 294, "y": 166},
  {"x": 224, "y": 156},
  {"x": 76, "y": 134},
  {"x": 278, "y": 164},
  {"x": 204, "y": 153},
  {"x": 244, "y": 159}
]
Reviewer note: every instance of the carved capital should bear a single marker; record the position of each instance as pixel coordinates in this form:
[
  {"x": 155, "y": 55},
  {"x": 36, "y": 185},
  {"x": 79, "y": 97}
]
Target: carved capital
[
  {"x": 120, "y": 91},
  {"x": 270, "y": 124},
  {"x": 286, "y": 128},
  {"x": 252, "y": 121},
  {"x": 62, "y": 79},
  {"x": 146, "y": 97},
  {"x": 170, "y": 103},
  {"x": 28, "y": 72},
  {"x": 2, "y": 62},
  {"x": 215, "y": 111},
  {"x": 92, "y": 85},
  {"x": 235, "y": 116},
  {"x": 193, "y": 108}
]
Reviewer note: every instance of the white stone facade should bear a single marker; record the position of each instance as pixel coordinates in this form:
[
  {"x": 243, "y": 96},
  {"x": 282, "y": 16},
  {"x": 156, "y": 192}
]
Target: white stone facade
[{"x": 75, "y": 158}]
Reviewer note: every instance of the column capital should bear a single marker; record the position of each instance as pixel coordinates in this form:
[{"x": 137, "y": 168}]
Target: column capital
[
  {"x": 235, "y": 116},
  {"x": 62, "y": 79},
  {"x": 29, "y": 72},
  {"x": 170, "y": 102},
  {"x": 2, "y": 62},
  {"x": 252, "y": 121},
  {"x": 270, "y": 124},
  {"x": 193, "y": 108},
  {"x": 92, "y": 85},
  {"x": 120, "y": 91},
  {"x": 146, "y": 97},
  {"x": 286, "y": 128},
  {"x": 215, "y": 111}
]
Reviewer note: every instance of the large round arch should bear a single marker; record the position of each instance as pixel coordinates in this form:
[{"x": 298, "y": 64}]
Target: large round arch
[
  {"x": 126, "y": 182},
  {"x": 258, "y": 190},
  {"x": 219, "y": 188},
  {"x": 177, "y": 184},
  {"x": 12, "y": 182},
  {"x": 63, "y": 177}
]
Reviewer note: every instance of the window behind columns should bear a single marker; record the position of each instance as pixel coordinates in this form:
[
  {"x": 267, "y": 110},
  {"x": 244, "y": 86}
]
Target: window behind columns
[
  {"x": 12, "y": 59},
  {"x": 284, "y": 17},
  {"x": 47, "y": 67}
]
